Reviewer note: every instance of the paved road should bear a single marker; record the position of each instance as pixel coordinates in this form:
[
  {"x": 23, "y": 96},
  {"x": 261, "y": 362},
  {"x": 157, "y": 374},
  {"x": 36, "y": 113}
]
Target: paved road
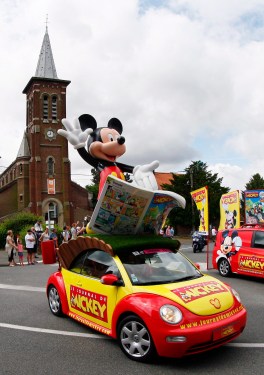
[{"x": 33, "y": 341}]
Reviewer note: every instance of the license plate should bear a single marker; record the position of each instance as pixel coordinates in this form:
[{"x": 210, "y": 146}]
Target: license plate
[{"x": 224, "y": 331}]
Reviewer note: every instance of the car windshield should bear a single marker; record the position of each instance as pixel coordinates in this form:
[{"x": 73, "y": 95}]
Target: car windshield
[{"x": 157, "y": 266}]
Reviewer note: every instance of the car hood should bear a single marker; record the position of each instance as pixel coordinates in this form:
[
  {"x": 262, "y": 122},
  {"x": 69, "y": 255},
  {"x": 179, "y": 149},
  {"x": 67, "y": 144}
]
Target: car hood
[{"x": 203, "y": 296}]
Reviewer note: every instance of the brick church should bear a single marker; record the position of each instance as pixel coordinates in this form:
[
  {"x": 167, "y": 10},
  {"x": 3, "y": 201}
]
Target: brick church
[{"x": 39, "y": 179}]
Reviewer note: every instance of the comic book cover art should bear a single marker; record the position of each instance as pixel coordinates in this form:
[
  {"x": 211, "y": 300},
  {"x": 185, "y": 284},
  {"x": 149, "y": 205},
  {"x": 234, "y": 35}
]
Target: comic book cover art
[
  {"x": 126, "y": 209},
  {"x": 254, "y": 207}
]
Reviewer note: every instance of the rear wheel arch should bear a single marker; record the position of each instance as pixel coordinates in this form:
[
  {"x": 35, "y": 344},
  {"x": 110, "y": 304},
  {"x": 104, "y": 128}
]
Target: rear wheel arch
[{"x": 58, "y": 283}]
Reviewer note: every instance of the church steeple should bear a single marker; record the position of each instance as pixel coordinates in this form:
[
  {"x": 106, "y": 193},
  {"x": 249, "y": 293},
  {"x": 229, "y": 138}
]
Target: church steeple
[{"x": 46, "y": 66}]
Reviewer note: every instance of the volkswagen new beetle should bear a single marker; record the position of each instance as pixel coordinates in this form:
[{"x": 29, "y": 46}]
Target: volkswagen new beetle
[{"x": 143, "y": 292}]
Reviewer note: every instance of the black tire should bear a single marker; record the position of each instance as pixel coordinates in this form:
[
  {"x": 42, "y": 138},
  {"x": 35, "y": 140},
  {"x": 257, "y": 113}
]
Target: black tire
[
  {"x": 135, "y": 340},
  {"x": 54, "y": 301},
  {"x": 224, "y": 267},
  {"x": 195, "y": 248}
]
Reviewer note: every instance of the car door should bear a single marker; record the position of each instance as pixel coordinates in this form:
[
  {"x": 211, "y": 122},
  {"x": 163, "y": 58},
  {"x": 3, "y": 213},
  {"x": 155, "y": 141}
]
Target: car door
[
  {"x": 91, "y": 302},
  {"x": 251, "y": 261}
]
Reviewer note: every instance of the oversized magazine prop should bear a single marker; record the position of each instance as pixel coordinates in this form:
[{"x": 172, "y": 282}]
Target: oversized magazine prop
[{"x": 127, "y": 209}]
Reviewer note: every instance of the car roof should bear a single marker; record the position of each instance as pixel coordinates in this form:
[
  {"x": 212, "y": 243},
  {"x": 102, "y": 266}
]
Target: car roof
[
  {"x": 112, "y": 244},
  {"x": 245, "y": 227}
]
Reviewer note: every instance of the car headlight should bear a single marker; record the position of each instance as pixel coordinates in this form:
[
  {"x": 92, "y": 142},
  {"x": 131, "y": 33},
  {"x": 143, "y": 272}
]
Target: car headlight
[
  {"x": 236, "y": 295},
  {"x": 170, "y": 314}
]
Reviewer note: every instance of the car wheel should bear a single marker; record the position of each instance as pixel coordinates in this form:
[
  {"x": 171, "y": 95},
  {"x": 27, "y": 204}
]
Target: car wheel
[
  {"x": 135, "y": 339},
  {"x": 54, "y": 301},
  {"x": 224, "y": 267}
]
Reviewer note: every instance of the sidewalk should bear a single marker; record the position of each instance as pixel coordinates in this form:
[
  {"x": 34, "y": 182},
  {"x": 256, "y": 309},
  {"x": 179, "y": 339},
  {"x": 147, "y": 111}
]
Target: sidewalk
[{"x": 4, "y": 258}]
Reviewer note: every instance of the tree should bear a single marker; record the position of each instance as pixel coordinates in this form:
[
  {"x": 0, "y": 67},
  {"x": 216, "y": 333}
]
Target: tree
[
  {"x": 194, "y": 177},
  {"x": 255, "y": 182},
  {"x": 94, "y": 187}
]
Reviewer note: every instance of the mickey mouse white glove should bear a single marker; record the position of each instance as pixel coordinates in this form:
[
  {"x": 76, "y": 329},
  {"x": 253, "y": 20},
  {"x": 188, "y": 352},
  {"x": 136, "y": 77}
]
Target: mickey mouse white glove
[
  {"x": 74, "y": 133},
  {"x": 144, "y": 176}
]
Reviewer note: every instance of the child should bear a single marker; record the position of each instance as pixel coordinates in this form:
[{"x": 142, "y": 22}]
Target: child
[{"x": 20, "y": 250}]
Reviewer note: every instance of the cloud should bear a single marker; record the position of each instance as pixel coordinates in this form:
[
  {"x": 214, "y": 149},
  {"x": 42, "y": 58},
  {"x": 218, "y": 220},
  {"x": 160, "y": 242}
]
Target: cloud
[{"x": 184, "y": 77}]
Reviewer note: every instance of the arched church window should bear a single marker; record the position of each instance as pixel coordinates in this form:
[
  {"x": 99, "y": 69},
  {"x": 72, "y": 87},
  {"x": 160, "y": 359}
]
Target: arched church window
[
  {"x": 50, "y": 165},
  {"x": 45, "y": 107},
  {"x": 54, "y": 108}
]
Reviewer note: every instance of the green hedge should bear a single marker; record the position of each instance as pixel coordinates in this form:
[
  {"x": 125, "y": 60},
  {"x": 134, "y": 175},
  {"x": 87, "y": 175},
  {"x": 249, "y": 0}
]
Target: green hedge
[{"x": 18, "y": 223}]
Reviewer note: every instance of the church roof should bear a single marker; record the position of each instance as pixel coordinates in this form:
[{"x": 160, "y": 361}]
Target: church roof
[
  {"x": 46, "y": 66},
  {"x": 24, "y": 148},
  {"x": 163, "y": 178}
]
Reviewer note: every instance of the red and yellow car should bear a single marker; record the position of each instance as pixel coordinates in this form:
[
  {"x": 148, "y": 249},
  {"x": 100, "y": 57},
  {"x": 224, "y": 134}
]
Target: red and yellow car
[{"x": 143, "y": 292}]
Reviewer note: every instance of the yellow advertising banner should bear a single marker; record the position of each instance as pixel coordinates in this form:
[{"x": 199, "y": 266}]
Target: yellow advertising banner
[
  {"x": 230, "y": 210},
  {"x": 200, "y": 197}
]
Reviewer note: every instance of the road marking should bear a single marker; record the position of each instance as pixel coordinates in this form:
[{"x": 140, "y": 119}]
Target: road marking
[
  {"x": 246, "y": 345},
  {"x": 52, "y": 331},
  {"x": 95, "y": 336},
  {"x": 22, "y": 287}
]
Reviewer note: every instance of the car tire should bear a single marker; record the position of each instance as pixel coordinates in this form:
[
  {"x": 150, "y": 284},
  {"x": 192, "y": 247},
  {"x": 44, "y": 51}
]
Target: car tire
[
  {"x": 54, "y": 301},
  {"x": 135, "y": 339},
  {"x": 224, "y": 267}
]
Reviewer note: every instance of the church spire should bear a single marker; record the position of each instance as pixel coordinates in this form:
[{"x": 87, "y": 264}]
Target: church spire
[{"x": 46, "y": 66}]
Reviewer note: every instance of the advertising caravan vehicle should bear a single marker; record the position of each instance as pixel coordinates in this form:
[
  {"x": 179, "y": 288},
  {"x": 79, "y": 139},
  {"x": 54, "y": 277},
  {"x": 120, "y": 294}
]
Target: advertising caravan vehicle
[
  {"x": 140, "y": 290},
  {"x": 240, "y": 251}
]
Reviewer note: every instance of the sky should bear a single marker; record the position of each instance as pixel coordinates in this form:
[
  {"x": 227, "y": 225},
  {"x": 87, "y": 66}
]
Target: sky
[{"x": 185, "y": 78}]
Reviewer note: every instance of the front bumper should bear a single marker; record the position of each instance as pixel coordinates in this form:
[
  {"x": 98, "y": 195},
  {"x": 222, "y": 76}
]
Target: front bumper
[{"x": 199, "y": 336}]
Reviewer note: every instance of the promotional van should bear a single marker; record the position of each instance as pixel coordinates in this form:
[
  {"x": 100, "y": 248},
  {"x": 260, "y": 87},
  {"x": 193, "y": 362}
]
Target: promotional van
[{"x": 240, "y": 251}]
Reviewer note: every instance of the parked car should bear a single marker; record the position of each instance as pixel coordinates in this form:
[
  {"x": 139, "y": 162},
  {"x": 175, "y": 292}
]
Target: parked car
[
  {"x": 143, "y": 292},
  {"x": 240, "y": 251}
]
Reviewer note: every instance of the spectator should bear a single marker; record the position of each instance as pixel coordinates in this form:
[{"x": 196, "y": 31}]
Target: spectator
[
  {"x": 20, "y": 250},
  {"x": 65, "y": 234},
  {"x": 30, "y": 244},
  {"x": 54, "y": 237},
  {"x": 214, "y": 233},
  {"x": 45, "y": 235},
  {"x": 38, "y": 230},
  {"x": 34, "y": 255},
  {"x": 73, "y": 231},
  {"x": 10, "y": 248}
]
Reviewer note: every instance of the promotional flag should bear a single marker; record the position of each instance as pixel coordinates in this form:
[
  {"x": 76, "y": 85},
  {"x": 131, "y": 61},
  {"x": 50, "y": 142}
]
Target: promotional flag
[
  {"x": 200, "y": 197},
  {"x": 230, "y": 210},
  {"x": 254, "y": 207}
]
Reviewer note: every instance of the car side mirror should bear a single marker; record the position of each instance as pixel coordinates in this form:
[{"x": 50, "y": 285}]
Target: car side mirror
[{"x": 111, "y": 279}]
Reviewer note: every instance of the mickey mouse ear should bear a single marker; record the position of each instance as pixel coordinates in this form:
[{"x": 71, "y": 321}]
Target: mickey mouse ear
[
  {"x": 87, "y": 121},
  {"x": 114, "y": 123}
]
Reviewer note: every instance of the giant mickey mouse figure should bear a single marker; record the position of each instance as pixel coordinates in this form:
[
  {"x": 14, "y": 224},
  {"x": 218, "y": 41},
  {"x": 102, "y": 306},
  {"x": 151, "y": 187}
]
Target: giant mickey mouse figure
[{"x": 104, "y": 146}]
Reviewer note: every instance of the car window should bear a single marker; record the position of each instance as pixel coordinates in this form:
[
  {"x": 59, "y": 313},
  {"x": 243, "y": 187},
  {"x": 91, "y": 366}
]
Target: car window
[
  {"x": 77, "y": 263},
  {"x": 157, "y": 266},
  {"x": 95, "y": 263},
  {"x": 258, "y": 240}
]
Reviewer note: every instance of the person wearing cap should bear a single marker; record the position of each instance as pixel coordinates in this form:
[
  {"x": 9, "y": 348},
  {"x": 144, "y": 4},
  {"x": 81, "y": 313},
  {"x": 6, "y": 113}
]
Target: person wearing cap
[{"x": 30, "y": 246}]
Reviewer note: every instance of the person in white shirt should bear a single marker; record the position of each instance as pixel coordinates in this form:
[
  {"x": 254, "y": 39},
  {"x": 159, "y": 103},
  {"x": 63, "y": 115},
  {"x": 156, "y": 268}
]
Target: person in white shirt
[{"x": 30, "y": 244}]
